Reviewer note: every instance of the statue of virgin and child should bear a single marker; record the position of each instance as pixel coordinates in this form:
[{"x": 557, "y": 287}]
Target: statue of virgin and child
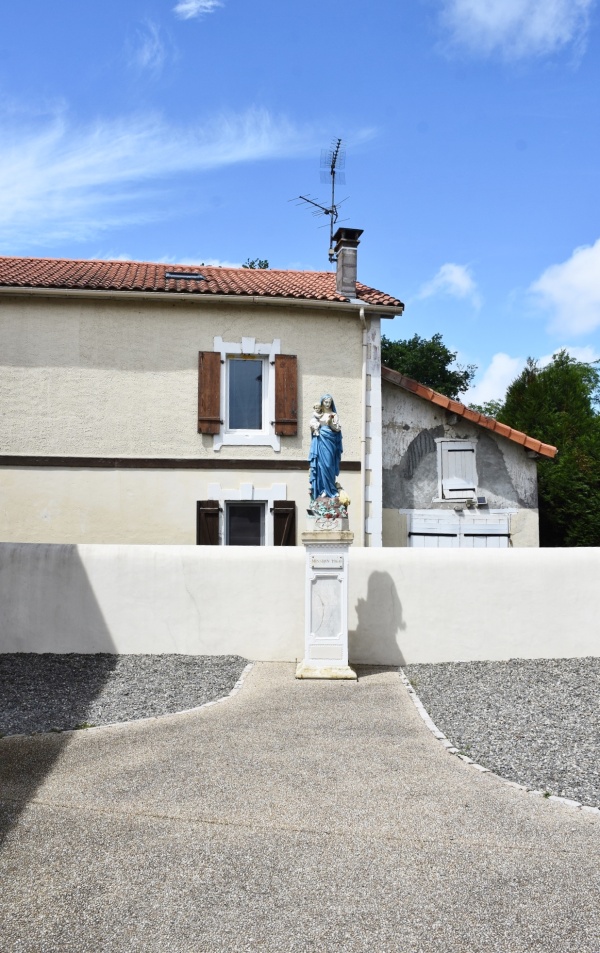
[{"x": 325, "y": 453}]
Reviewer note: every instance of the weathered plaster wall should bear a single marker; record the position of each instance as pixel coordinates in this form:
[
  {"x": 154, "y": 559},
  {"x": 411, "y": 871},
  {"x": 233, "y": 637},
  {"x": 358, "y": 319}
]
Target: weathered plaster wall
[
  {"x": 525, "y": 528},
  {"x": 47, "y": 505},
  {"x": 118, "y": 378},
  {"x": 405, "y": 605},
  {"x": 505, "y": 474}
]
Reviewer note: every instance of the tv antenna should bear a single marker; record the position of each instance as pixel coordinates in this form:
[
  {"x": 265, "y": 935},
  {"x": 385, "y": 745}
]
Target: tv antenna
[{"x": 333, "y": 163}]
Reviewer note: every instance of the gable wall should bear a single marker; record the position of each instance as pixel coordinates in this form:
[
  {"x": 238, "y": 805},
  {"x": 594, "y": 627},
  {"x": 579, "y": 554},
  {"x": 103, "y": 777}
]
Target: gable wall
[{"x": 505, "y": 474}]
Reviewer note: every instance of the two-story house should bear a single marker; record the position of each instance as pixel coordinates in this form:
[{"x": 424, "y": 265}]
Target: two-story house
[{"x": 150, "y": 403}]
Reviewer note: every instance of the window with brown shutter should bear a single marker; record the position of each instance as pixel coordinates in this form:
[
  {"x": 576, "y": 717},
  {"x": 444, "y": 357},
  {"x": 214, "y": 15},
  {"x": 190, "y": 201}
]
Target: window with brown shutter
[
  {"x": 286, "y": 395},
  {"x": 239, "y": 402},
  {"x": 284, "y": 523},
  {"x": 207, "y": 523},
  {"x": 209, "y": 392}
]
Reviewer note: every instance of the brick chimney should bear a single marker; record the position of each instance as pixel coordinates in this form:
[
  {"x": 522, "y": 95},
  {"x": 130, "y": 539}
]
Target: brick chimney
[{"x": 346, "y": 242}]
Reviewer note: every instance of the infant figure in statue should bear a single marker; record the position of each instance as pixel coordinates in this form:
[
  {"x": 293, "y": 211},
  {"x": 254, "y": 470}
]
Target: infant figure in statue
[{"x": 325, "y": 449}]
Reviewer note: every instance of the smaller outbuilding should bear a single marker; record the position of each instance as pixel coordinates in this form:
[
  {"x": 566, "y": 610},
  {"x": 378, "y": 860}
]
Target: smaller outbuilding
[{"x": 453, "y": 477}]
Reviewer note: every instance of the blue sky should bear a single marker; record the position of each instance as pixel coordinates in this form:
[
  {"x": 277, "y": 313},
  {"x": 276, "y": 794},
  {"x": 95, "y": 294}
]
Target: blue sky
[{"x": 179, "y": 131}]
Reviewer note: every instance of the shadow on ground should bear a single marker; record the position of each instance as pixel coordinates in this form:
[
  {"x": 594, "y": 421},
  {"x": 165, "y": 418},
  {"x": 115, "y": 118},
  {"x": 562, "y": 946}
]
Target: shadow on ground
[
  {"x": 63, "y": 603},
  {"x": 368, "y": 671}
]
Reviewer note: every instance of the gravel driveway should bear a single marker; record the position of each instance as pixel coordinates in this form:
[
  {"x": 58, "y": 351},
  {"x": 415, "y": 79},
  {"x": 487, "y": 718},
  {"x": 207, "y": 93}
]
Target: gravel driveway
[
  {"x": 532, "y": 721},
  {"x": 535, "y": 722},
  {"x": 46, "y": 692}
]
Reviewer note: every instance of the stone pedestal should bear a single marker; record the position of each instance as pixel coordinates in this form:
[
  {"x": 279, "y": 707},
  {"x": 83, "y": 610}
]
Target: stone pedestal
[{"x": 326, "y": 601}]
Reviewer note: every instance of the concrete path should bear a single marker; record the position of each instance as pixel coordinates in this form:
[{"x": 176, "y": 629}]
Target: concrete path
[{"x": 296, "y": 816}]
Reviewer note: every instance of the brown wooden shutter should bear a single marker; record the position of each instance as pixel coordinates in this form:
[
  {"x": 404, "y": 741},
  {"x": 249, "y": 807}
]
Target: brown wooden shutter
[
  {"x": 207, "y": 523},
  {"x": 284, "y": 522},
  {"x": 209, "y": 392},
  {"x": 286, "y": 395}
]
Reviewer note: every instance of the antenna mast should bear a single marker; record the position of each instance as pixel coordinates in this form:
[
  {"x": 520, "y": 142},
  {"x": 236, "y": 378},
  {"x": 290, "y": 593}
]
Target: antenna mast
[{"x": 333, "y": 161}]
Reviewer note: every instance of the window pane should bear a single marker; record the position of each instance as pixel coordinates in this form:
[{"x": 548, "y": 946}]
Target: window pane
[
  {"x": 245, "y": 524},
  {"x": 245, "y": 394}
]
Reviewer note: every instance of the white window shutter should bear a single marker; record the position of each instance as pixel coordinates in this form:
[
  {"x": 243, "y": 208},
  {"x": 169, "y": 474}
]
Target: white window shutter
[
  {"x": 491, "y": 532},
  {"x": 458, "y": 474},
  {"x": 433, "y": 532}
]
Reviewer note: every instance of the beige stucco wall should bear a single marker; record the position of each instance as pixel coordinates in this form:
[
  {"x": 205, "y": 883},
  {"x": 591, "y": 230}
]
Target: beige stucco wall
[
  {"x": 120, "y": 378},
  {"x": 48, "y": 505},
  {"x": 405, "y": 605},
  {"x": 395, "y": 528}
]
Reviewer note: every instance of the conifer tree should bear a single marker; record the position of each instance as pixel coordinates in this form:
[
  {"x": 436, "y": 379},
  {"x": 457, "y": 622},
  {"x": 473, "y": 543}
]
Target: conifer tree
[{"x": 558, "y": 404}]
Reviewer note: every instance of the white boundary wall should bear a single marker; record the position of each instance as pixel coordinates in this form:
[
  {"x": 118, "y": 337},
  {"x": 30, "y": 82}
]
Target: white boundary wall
[{"x": 406, "y": 605}]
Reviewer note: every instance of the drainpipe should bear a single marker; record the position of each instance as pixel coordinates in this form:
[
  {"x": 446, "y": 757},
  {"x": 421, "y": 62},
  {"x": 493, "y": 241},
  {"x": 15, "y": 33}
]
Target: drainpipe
[{"x": 363, "y": 428}]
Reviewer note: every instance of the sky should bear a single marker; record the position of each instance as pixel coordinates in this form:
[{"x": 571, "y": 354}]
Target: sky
[{"x": 182, "y": 131}]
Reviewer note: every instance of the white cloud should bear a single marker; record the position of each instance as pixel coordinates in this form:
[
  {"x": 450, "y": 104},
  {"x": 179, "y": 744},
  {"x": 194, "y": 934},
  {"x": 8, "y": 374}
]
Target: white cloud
[
  {"x": 570, "y": 291},
  {"x": 62, "y": 182},
  {"x": 495, "y": 379},
  {"x": 503, "y": 369},
  {"x": 149, "y": 52},
  {"x": 454, "y": 280},
  {"x": 585, "y": 355},
  {"x": 186, "y": 9},
  {"x": 516, "y": 28}
]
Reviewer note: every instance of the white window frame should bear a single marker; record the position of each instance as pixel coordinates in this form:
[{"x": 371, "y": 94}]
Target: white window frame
[
  {"x": 469, "y": 445},
  {"x": 266, "y": 437},
  {"x": 248, "y": 493}
]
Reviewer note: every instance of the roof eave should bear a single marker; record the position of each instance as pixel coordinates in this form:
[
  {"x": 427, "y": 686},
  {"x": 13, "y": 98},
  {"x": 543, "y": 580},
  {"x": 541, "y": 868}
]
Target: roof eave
[{"x": 387, "y": 311}]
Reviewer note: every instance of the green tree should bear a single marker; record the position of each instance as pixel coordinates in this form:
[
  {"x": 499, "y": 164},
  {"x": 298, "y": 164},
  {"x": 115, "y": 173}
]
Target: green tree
[
  {"x": 558, "y": 404},
  {"x": 256, "y": 263},
  {"x": 491, "y": 408},
  {"x": 429, "y": 362}
]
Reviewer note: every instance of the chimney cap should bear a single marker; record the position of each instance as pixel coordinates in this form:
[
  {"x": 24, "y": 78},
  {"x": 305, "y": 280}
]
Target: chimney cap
[{"x": 347, "y": 238}]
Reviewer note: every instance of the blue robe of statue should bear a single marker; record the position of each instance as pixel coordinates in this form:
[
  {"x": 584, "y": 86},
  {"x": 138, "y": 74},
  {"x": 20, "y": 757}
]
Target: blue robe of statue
[{"x": 325, "y": 458}]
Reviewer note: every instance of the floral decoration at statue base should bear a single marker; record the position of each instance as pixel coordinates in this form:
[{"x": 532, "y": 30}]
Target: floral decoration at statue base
[
  {"x": 330, "y": 507},
  {"x": 329, "y": 513}
]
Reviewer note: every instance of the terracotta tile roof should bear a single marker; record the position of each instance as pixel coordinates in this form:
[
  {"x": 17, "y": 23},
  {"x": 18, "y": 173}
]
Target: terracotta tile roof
[
  {"x": 455, "y": 407},
  {"x": 149, "y": 277}
]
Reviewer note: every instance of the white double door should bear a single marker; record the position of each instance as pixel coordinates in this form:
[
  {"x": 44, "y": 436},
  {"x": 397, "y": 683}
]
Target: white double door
[{"x": 443, "y": 529}]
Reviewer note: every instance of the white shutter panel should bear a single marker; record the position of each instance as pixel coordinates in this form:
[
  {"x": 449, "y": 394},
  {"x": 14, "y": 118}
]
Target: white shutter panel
[
  {"x": 433, "y": 532},
  {"x": 490, "y": 532},
  {"x": 459, "y": 479}
]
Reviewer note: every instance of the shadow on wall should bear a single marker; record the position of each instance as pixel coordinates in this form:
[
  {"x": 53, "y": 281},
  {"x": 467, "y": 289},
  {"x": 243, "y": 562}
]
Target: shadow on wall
[
  {"x": 375, "y": 640},
  {"x": 41, "y": 586}
]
